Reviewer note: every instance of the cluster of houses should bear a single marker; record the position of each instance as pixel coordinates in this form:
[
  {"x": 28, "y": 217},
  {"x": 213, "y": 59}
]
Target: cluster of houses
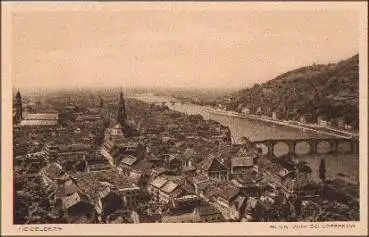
[
  {"x": 157, "y": 165},
  {"x": 321, "y": 120}
]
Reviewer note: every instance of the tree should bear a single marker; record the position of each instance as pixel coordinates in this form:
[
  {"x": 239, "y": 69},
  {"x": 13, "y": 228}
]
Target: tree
[{"x": 322, "y": 170}]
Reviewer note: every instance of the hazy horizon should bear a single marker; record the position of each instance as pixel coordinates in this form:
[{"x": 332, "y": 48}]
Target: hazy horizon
[{"x": 227, "y": 49}]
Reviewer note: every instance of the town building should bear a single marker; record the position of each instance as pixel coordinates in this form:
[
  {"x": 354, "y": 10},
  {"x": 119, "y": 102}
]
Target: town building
[
  {"x": 286, "y": 174},
  {"x": 245, "y": 110},
  {"x": 274, "y": 116},
  {"x": 215, "y": 167},
  {"x": 322, "y": 121}
]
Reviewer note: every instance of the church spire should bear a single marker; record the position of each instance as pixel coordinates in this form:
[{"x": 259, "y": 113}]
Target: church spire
[
  {"x": 122, "y": 115},
  {"x": 18, "y": 107}
]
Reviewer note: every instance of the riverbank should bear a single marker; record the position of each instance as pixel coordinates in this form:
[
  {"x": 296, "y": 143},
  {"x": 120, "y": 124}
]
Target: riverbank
[
  {"x": 295, "y": 124},
  {"x": 291, "y": 124}
]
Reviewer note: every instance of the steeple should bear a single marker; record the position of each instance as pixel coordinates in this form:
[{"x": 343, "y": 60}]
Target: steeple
[
  {"x": 122, "y": 115},
  {"x": 101, "y": 103},
  {"x": 18, "y": 107}
]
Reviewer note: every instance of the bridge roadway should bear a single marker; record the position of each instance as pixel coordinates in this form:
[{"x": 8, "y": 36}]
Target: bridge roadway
[{"x": 335, "y": 145}]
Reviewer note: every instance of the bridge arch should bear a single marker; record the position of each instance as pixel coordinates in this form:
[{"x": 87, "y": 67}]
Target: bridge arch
[
  {"x": 280, "y": 148},
  {"x": 264, "y": 148},
  {"x": 323, "y": 147},
  {"x": 344, "y": 147},
  {"x": 302, "y": 148}
]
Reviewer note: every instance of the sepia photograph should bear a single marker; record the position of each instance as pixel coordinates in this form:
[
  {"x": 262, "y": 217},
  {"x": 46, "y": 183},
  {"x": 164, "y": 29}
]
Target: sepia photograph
[{"x": 192, "y": 118}]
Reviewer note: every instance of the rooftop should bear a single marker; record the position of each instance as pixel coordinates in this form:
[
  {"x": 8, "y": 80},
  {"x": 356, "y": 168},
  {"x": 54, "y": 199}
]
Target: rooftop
[
  {"x": 94, "y": 182},
  {"x": 169, "y": 187},
  {"x": 128, "y": 160},
  {"x": 38, "y": 123},
  {"x": 244, "y": 161},
  {"x": 159, "y": 182},
  {"x": 44, "y": 116}
]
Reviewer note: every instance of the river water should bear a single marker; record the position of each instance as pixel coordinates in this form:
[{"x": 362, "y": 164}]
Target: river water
[{"x": 343, "y": 166}]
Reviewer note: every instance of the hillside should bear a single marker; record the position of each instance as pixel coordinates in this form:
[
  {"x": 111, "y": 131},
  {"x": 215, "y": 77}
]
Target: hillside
[{"x": 330, "y": 90}]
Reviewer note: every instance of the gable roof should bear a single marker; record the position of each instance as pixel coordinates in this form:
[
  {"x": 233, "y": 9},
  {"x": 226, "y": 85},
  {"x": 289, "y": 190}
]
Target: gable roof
[
  {"x": 213, "y": 163},
  {"x": 66, "y": 188}
]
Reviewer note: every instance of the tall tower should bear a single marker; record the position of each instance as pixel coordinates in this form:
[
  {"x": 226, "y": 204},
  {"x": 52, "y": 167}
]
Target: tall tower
[
  {"x": 18, "y": 107},
  {"x": 122, "y": 115},
  {"x": 101, "y": 102}
]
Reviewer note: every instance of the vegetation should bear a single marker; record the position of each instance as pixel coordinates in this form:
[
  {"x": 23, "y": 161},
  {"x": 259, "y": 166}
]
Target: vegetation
[{"x": 330, "y": 90}]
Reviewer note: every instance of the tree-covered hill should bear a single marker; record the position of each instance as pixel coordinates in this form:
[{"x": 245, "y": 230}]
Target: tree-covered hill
[{"x": 330, "y": 90}]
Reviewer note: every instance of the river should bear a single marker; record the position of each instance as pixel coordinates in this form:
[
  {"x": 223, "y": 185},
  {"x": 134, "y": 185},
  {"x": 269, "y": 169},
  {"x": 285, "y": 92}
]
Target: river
[{"x": 347, "y": 165}]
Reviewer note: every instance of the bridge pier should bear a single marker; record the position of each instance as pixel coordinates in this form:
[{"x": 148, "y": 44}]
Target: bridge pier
[
  {"x": 313, "y": 144},
  {"x": 291, "y": 148},
  {"x": 333, "y": 146},
  {"x": 355, "y": 146},
  {"x": 270, "y": 146}
]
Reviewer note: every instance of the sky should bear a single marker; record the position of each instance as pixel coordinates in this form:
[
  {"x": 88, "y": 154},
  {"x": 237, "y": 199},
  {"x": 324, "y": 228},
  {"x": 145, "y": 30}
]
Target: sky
[{"x": 178, "y": 48}]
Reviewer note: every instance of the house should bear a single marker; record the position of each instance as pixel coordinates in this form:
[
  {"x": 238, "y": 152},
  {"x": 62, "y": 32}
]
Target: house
[
  {"x": 34, "y": 168},
  {"x": 189, "y": 171},
  {"x": 286, "y": 174},
  {"x": 156, "y": 161},
  {"x": 169, "y": 191},
  {"x": 115, "y": 151},
  {"x": 209, "y": 213},
  {"x": 215, "y": 168},
  {"x": 243, "y": 159},
  {"x": 341, "y": 122},
  {"x": 68, "y": 155},
  {"x": 237, "y": 208},
  {"x": 241, "y": 166},
  {"x": 274, "y": 116},
  {"x": 155, "y": 185},
  {"x": 248, "y": 187},
  {"x": 130, "y": 195},
  {"x": 173, "y": 162},
  {"x": 302, "y": 119},
  {"x": 199, "y": 213},
  {"x": 119, "y": 217},
  {"x": 79, "y": 209},
  {"x": 225, "y": 196},
  {"x": 258, "y": 111},
  {"x": 253, "y": 210},
  {"x": 322, "y": 121},
  {"x": 245, "y": 110},
  {"x": 51, "y": 173},
  {"x": 190, "y": 157},
  {"x": 200, "y": 183}
]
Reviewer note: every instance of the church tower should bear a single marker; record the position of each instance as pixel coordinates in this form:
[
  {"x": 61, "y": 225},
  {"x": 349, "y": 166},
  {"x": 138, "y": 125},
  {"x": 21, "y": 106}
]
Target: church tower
[
  {"x": 122, "y": 115},
  {"x": 18, "y": 107},
  {"x": 101, "y": 102}
]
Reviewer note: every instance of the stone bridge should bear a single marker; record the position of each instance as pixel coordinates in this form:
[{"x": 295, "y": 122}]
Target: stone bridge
[{"x": 332, "y": 146}]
